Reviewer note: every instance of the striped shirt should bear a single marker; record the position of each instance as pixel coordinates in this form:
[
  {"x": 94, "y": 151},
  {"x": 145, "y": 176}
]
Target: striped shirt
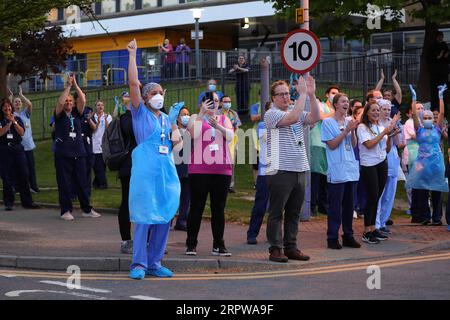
[{"x": 285, "y": 145}]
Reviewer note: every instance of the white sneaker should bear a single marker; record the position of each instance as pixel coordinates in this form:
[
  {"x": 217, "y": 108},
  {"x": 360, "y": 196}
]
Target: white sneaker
[
  {"x": 91, "y": 214},
  {"x": 355, "y": 215},
  {"x": 67, "y": 216}
]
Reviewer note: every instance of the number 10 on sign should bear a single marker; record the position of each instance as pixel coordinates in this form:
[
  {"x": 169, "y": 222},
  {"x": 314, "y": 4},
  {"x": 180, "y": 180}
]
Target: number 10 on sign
[{"x": 300, "y": 51}]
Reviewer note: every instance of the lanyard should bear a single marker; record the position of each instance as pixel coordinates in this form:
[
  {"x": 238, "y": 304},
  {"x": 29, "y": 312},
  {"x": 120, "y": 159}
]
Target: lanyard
[
  {"x": 72, "y": 126},
  {"x": 163, "y": 127},
  {"x": 213, "y": 130}
]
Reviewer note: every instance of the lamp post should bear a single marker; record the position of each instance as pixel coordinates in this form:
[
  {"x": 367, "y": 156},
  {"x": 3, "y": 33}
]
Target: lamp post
[{"x": 197, "y": 14}]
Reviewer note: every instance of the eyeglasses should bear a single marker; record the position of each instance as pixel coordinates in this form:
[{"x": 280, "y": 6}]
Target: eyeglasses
[{"x": 281, "y": 94}]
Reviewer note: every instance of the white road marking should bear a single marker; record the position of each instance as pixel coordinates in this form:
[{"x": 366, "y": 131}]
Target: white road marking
[
  {"x": 144, "y": 298},
  {"x": 64, "y": 284},
  {"x": 8, "y": 275},
  {"x": 17, "y": 293}
]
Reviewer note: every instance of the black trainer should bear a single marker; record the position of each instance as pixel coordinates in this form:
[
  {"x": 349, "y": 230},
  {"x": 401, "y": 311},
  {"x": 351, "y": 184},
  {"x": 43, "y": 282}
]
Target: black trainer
[
  {"x": 191, "y": 251},
  {"x": 368, "y": 237},
  {"x": 350, "y": 242},
  {"x": 221, "y": 251},
  {"x": 377, "y": 234},
  {"x": 389, "y": 222},
  {"x": 436, "y": 223}
]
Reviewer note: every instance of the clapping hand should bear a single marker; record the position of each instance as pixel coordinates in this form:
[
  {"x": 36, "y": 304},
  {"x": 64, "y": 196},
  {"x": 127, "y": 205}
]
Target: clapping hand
[
  {"x": 175, "y": 111},
  {"x": 301, "y": 86},
  {"x": 310, "y": 85},
  {"x": 352, "y": 124}
]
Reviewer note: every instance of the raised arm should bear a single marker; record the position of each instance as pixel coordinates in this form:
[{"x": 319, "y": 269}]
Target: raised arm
[
  {"x": 398, "y": 89},
  {"x": 294, "y": 116},
  {"x": 314, "y": 114},
  {"x": 62, "y": 98},
  {"x": 81, "y": 100},
  {"x": 381, "y": 81},
  {"x": 25, "y": 100},
  {"x": 133, "y": 81},
  {"x": 414, "y": 110},
  {"x": 442, "y": 89}
]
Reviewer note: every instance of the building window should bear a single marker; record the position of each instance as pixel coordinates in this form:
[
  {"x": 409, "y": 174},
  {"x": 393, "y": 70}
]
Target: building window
[
  {"x": 166, "y": 3},
  {"x": 414, "y": 39},
  {"x": 382, "y": 41},
  {"x": 108, "y": 6},
  {"x": 127, "y": 5},
  {"x": 149, "y": 3}
]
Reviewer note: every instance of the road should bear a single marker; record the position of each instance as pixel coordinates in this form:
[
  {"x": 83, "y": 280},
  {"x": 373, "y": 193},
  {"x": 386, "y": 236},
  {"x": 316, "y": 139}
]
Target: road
[{"x": 423, "y": 276}]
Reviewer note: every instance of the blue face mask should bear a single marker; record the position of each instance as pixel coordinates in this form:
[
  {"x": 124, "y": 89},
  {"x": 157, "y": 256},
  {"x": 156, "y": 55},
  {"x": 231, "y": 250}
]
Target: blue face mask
[
  {"x": 185, "y": 120},
  {"x": 227, "y": 105},
  {"x": 212, "y": 87},
  {"x": 428, "y": 124}
]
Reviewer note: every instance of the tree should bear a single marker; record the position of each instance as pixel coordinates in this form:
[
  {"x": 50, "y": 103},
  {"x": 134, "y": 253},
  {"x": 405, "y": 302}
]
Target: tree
[
  {"x": 336, "y": 18},
  {"x": 20, "y": 21}
]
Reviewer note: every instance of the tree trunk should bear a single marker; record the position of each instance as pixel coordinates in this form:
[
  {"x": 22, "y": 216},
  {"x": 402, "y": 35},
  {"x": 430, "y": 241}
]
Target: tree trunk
[
  {"x": 3, "y": 77},
  {"x": 423, "y": 85}
]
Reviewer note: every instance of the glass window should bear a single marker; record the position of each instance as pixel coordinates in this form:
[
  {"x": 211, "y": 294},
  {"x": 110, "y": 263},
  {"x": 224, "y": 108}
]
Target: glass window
[
  {"x": 149, "y": 3},
  {"x": 127, "y": 5},
  {"x": 381, "y": 41},
  {"x": 108, "y": 6},
  {"x": 169, "y": 2},
  {"x": 414, "y": 39}
]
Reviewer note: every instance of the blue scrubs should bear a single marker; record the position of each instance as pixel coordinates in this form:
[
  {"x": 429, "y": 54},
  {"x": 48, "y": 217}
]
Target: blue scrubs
[
  {"x": 154, "y": 188},
  {"x": 386, "y": 202}
]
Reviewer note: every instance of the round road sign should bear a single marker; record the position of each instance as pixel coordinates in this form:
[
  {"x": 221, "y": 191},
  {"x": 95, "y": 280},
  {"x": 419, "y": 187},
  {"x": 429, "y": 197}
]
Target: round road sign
[{"x": 300, "y": 51}]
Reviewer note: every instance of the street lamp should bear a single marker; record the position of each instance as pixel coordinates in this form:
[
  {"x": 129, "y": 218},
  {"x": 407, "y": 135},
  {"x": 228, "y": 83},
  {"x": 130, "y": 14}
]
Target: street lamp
[{"x": 197, "y": 14}]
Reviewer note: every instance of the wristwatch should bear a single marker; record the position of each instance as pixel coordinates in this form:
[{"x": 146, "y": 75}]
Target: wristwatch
[{"x": 15, "y": 122}]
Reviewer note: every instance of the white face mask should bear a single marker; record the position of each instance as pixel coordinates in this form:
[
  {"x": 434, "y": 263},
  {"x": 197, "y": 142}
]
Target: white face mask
[
  {"x": 330, "y": 98},
  {"x": 157, "y": 102}
]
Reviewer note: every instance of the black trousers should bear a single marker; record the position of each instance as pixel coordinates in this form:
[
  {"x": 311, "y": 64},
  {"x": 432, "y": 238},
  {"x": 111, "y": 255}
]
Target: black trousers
[
  {"x": 420, "y": 209},
  {"x": 374, "y": 179},
  {"x": 14, "y": 163},
  {"x": 99, "y": 172},
  {"x": 319, "y": 194},
  {"x": 124, "y": 211},
  {"x": 71, "y": 175},
  {"x": 216, "y": 185},
  {"x": 183, "y": 210},
  {"x": 31, "y": 169}
]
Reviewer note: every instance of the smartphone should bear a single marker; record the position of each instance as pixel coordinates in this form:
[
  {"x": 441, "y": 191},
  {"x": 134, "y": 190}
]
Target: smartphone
[{"x": 209, "y": 96}]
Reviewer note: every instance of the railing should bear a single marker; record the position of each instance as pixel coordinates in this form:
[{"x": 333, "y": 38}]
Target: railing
[{"x": 334, "y": 67}]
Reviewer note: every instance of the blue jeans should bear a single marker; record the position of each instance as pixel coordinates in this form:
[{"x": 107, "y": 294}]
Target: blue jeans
[
  {"x": 259, "y": 208},
  {"x": 340, "y": 210}
]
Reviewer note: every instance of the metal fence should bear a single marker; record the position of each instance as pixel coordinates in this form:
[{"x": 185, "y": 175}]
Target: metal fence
[
  {"x": 353, "y": 72},
  {"x": 334, "y": 67}
]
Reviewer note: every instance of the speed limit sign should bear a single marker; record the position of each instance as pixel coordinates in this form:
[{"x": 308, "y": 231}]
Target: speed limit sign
[{"x": 300, "y": 51}]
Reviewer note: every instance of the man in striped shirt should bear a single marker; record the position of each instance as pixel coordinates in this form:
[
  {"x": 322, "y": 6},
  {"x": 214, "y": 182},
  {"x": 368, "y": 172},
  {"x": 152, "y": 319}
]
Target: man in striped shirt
[{"x": 287, "y": 163}]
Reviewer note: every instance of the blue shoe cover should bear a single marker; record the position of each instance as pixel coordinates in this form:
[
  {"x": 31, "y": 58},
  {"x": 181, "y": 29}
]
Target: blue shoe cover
[
  {"x": 162, "y": 272},
  {"x": 137, "y": 274}
]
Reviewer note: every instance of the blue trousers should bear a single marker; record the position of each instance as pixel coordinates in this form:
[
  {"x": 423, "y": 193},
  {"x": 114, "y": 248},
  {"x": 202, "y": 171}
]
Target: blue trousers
[
  {"x": 340, "y": 210},
  {"x": 259, "y": 208},
  {"x": 149, "y": 244},
  {"x": 386, "y": 202},
  {"x": 71, "y": 176}
]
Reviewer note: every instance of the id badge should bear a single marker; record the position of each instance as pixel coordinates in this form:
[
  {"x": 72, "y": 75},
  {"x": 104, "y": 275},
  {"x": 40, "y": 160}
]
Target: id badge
[
  {"x": 27, "y": 125},
  {"x": 347, "y": 147},
  {"x": 9, "y": 136},
  {"x": 163, "y": 150},
  {"x": 73, "y": 135},
  {"x": 88, "y": 140},
  {"x": 213, "y": 147}
]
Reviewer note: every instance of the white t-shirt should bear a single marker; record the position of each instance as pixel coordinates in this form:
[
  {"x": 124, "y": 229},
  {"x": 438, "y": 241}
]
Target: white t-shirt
[
  {"x": 97, "y": 136},
  {"x": 376, "y": 155}
]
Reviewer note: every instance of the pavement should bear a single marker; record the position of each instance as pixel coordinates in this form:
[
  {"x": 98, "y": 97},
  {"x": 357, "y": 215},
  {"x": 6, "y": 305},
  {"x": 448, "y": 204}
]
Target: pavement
[{"x": 39, "y": 239}]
